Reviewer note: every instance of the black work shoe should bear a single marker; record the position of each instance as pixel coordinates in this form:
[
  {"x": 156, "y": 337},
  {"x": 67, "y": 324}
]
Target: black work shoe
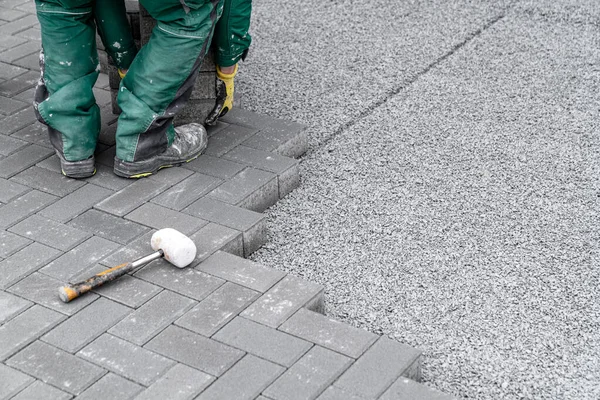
[
  {"x": 190, "y": 141},
  {"x": 77, "y": 169}
]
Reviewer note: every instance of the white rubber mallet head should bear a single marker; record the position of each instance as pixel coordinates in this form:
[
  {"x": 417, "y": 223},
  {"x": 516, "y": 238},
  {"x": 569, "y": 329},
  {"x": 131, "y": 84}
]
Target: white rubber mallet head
[{"x": 177, "y": 248}]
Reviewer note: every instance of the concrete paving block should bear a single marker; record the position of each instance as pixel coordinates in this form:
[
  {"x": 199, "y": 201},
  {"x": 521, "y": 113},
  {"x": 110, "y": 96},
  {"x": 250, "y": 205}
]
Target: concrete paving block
[
  {"x": 9, "y": 144},
  {"x": 43, "y": 290},
  {"x": 147, "y": 321},
  {"x": 76, "y": 203},
  {"x": 131, "y": 197},
  {"x": 228, "y": 138},
  {"x": 214, "y": 166},
  {"x": 104, "y": 177},
  {"x": 108, "y": 226},
  {"x": 26, "y": 328},
  {"x": 179, "y": 383},
  {"x": 252, "y": 189},
  {"x": 13, "y": 123},
  {"x": 406, "y": 389},
  {"x": 186, "y": 281},
  {"x": 18, "y": 25},
  {"x": 9, "y": 190},
  {"x": 13, "y": 86},
  {"x": 31, "y": 62},
  {"x": 8, "y": 42},
  {"x": 11, "y": 243},
  {"x": 379, "y": 367},
  {"x": 214, "y": 237},
  {"x": 39, "y": 390},
  {"x": 241, "y": 271},
  {"x": 262, "y": 341},
  {"x": 13, "y": 382},
  {"x": 128, "y": 290},
  {"x": 22, "y": 207},
  {"x": 81, "y": 258},
  {"x": 11, "y": 306},
  {"x": 8, "y": 14},
  {"x": 19, "y": 51},
  {"x": 31, "y": 34},
  {"x": 220, "y": 307},
  {"x": 195, "y": 350},
  {"x": 9, "y": 71},
  {"x": 24, "y": 262},
  {"x": 126, "y": 359},
  {"x": 86, "y": 325},
  {"x": 334, "y": 393},
  {"x": 187, "y": 191},
  {"x": 56, "y": 367},
  {"x": 281, "y": 301},
  {"x": 50, "y": 233},
  {"x": 310, "y": 376},
  {"x": 250, "y": 223},
  {"x": 288, "y": 143},
  {"x": 48, "y": 181},
  {"x": 160, "y": 217},
  {"x": 111, "y": 386},
  {"x": 170, "y": 176},
  {"x": 10, "y": 106},
  {"x": 326, "y": 332},
  {"x": 35, "y": 133},
  {"x": 138, "y": 248},
  {"x": 244, "y": 381}
]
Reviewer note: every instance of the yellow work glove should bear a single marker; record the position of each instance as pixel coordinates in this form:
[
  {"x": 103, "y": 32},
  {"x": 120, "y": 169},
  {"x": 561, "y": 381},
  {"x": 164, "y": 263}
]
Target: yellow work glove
[{"x": 224, "y": 100}]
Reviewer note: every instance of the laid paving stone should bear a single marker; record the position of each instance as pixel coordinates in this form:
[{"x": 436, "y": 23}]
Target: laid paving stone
[
  {"x": 131, "y": 197},
  {"x": 42, "y": 289},
  {"x": 13, "y": 381},
  {"x": 31, "y": 34},
  {"x": 9, "y": 106},
  {"x": 379, "y": 367},
  {"x": 30, "y": 62},
  {"x": 160, "y": 217},
  {"x": 24, "y": 206},
  {"x": 56, "y": 367},
  {"x": 195, "y": 350},
  {"x": 18, "y": 25},
  {"x": 50, "y": 233},
  {"x": 111, "y": 386},
  {"x": 241, "y": 271},
  {"x": 86, "y": 325},
  {"x": 244, "y": 381},
  {"x": 24, "y": 262},
  {"x": 215, "y": 166},
  {"x": 17, "y": 121},
  {"x": 134, "y": 250},
  {"x": 47, "y": 181},
  {"x": 170, "y": 176},
  {"x": 104, "y": 177},
  {"x": 22, "y": 159},
  {"x": 126, "y": 359},
  {"x": 11, "y": 243},
  {"x": 8, "y": 71},
  {"x": 8, "y": 14},
  {"x": 9, "y": 144},
  {"x": 19, "y": 51},
  {"x": 108, "y": 226},
  {"x": 8, "y": 42},
  {"x": 36, "y": 133},
  {"x": 214, "y": 237},
  {"x": 264, "y": 342},
  {"x": 25, "y": 328},
  {"x": 179, "y": 383},
  {"x": 220, "y": 307},
  {"x": 128, "y": 290},
  {"x": 10, "y": 190},
  {"x": 187, "y": 191},
  {"x": 405, "y": 388},
  {"x": 76, "y": 203},
  {"x": 250, "y": 223},
  {"x": 40, "y": 390},
  {"x": 186, "y": 281},
  {"x": 310, "y": 376},
  {"x": 282, "y": 300},
  {"x": 326, "y": 332},
  {"x": 334, "y": 393},
  {"x": 13, "y": 86},
  {"x": 228, "y": 138},
  {"x": 154, "y": 316},
  {"x": 80, "y": 259},
  {"x": 11, "y": 305}
]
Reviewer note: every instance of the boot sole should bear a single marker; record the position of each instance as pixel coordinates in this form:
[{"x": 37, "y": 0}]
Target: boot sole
[{"x": 120, "y": 167}]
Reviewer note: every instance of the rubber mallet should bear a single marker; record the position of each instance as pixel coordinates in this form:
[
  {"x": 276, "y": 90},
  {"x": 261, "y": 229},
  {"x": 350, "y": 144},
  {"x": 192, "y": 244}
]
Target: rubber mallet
[{"x": 169, "y": 244}]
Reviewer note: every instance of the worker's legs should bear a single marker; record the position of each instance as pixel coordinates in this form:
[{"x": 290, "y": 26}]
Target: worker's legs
[
  {"x": 115, "y": 32},
  {"x": 64, "y": 99},
  {"x": 158, "y": 84}
]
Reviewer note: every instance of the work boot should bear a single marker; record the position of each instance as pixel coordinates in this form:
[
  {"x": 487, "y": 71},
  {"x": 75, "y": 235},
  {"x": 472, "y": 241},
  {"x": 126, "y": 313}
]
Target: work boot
[
  {"x": 189, "y": 142},
  {"x": 77, "y": 169},
  {"x": 224, "y": 100}
]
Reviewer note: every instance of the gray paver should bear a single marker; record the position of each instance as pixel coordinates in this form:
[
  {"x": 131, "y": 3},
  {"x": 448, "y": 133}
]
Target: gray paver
[
  {"x": 8, "y": 71},
  {"x": 262, "y": 341},
  {"x": 11, "y": 306},
  {"x": 213, "y": 237},
  {"x": 22, "y": 207},
  {"x": 128, "y": 290},
  {"x": 8, "y": 14},
  {"x": 406, "y": 389},
  {"x": 23, "y": 158},
  {"x": 43, "y": 290},
  {"x": 195, "y": 350},
  {"x": 48, "y": 181},
  {"x": 30, "y": 62},
  {"x": 126, "y": 359},
  {"x": 217, "y": 309},
  {"x": 138, "y": 248},
  {"x": 282, "y": 300},
  {"x": 19, "y": 51},
  {"x": 11, "y": 243},
  {"x": 18, "y": 25},
  {"x": 13, "y": 86},
  {"x": 159, "y": 217},
  {"x": 39, "y": 390},
  {"x": 13, "y": 381},
  {"x": 334, "y": 393},
  {"x": 25, "y": 328},
  {"x": 56, "y": 367},
  {"x": 187, "y": 191},
  {"x": 228, "y": 138},
  {"x": 50, "y": 233},
  {"x": 9, "y": 106},
  {"x": 215, "y": 166},
  {"x": 104, "y": 176},
  {"x": 111, "y": 386},
  {"x": 108, "y": 226},
  {"x": 36, "y": 133},
  {"x": 130, "y": 198},
  {"x": 9, "y": 144},
  {"x": 378, "y": 368},
  {"x": 241, "y": 271},
  {"x": 76, "y": 203},
  {"x": 186, "y": 281},
  {"x": 86, "y": 325},
  {"x": 179, "y": 383},
  {"x": 81, "y": 258},
  {"x": 24, "y": 262},
  {"x": 170, "y": 176},
  {"x": 144, "y": 323},
  {"x": 310, "y": 376},
  {"x": 9, "y": 190},
  {"x": 326, "y": 332},
  {"x": 244, "y": 381}
]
